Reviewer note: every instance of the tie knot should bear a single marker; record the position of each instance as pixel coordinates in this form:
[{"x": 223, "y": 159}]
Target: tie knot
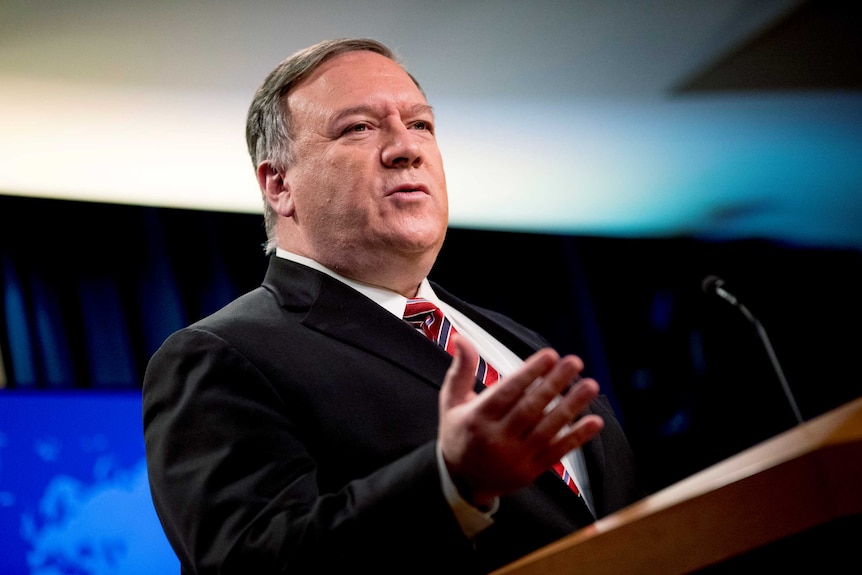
[
  {"x": 420, "y": 311},
  {"x": 425, "y": 316}
]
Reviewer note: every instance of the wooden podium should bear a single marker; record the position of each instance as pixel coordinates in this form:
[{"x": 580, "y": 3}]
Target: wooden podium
[{"x": 792, "y": 503}]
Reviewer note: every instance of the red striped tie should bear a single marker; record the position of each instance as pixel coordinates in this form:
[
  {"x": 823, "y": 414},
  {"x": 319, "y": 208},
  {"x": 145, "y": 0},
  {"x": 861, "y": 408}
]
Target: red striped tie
[{"x": 424, "y": 315}]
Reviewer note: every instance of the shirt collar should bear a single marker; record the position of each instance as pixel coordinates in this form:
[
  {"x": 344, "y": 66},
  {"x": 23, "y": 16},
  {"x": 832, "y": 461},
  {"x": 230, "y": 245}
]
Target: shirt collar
[{"x": 392, "y": 301}]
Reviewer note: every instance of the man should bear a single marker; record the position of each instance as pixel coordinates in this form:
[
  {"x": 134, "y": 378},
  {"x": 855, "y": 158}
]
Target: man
[{"x": 307, "y": 427}]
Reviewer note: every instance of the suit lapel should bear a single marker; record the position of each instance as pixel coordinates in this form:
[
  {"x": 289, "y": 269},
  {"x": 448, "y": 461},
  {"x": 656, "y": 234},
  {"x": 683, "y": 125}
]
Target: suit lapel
[
  {"x": 512, "y": 335},
  {"x": 338, "y": 311},
  {"x": 342, "y": 313}
]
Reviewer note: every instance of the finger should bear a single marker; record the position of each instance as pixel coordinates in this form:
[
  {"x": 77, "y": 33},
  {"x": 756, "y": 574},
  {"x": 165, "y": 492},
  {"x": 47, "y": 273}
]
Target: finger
[
  {"x": 576, "y": 435},
  {"x": 564, "y": 374},
  {"x": 499, "y": 399},
  {"x": 560, "y": 417},
  {"x": 461, "y": 375},
  {"x": 533, "y": 405}
]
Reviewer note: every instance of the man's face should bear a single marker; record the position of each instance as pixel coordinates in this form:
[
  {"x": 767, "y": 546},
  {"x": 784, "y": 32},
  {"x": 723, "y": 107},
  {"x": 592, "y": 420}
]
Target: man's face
[{"x": 367, "y": 180}]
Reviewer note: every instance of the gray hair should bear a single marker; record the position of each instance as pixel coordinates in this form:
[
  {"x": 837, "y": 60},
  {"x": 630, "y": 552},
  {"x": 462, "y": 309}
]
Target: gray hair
[{"x": 268, "y": 129}]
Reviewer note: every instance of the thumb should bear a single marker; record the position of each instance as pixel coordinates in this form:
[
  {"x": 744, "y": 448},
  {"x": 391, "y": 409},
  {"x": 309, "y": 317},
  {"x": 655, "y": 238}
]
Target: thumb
[{"x": 461, "y": 376}]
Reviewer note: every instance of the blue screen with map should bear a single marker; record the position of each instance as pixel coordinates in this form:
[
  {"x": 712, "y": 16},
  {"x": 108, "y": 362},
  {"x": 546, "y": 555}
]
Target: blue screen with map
[{"x": 74, "y": 497}]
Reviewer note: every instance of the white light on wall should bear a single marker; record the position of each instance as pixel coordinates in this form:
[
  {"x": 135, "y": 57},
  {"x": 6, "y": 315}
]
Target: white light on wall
[{"x": 777, "y": 166}]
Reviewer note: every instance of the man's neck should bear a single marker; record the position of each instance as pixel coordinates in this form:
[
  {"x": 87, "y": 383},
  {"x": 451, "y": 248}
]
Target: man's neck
[{"x": 398, "y": 281}]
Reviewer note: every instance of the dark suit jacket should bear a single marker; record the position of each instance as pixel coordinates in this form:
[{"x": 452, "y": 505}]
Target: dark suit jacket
[{"x": 294, "y": 431}]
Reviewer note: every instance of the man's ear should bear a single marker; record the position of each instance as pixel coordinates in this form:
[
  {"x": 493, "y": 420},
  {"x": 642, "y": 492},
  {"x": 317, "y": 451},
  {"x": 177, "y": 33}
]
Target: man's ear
[{"x": 274, "y": 186}]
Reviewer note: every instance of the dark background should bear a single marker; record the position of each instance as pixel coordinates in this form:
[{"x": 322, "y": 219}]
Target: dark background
[{"x": 90, "y": 290}]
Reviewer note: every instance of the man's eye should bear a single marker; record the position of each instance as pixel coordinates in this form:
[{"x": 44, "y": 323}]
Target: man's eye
[
  {"x": 420, "y": 125},
  {"x": 358, "y": 128}
]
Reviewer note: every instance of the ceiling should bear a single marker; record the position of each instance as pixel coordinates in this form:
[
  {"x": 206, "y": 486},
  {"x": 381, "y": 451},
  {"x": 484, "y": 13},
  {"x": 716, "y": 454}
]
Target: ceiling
[{"x": 737, "y": 118}]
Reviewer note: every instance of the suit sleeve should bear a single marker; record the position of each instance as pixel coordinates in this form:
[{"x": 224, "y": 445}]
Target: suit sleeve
[{"x": 235, "y": 486}]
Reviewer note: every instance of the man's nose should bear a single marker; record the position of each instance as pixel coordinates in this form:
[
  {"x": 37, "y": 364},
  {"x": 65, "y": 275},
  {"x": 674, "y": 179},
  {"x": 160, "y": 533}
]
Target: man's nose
[{"x": 401, "y": 148}]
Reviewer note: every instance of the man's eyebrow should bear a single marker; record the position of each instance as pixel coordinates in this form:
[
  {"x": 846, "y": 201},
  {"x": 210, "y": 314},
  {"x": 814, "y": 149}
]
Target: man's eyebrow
[
  {"x": 370, "y": 109},
  {"x": 421, "y": 109}
]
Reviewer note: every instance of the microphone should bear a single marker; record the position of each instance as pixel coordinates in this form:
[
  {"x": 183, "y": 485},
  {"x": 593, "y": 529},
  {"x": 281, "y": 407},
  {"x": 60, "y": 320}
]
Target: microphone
[{"x": 714, "y": 285}]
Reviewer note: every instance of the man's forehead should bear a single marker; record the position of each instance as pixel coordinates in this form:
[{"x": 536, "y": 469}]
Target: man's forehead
[
  {"x": 355, "y": 80},
  {"x": 360, "y": 67}
]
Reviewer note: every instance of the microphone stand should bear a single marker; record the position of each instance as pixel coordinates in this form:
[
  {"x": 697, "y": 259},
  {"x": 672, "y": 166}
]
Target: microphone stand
[{"x": 713, "y": 284}]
